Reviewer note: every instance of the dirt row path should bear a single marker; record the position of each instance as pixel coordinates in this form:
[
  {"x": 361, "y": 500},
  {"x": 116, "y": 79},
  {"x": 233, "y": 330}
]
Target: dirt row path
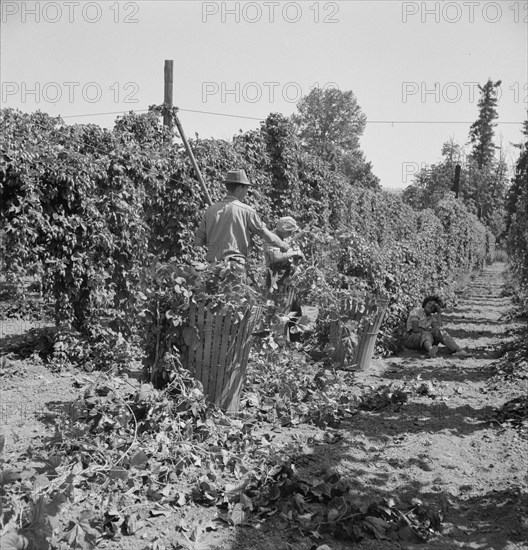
[{"x": 441, "y": 446}]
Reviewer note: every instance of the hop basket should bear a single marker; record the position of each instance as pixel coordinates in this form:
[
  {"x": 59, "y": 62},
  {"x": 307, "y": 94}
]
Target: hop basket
[
  {"x": 367, "y": 312},
  {"x": 218, "y": 351}
]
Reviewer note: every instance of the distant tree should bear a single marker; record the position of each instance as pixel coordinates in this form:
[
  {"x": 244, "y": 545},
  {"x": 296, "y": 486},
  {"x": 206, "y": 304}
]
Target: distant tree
[
  {"x": 435, "y": 182},
  {"x": 330, "y": 123},
  {"x": 481, "y": 189},
  {"x": 485, "y": 193},
  {"x": 358, "y": 171},
  {"x": 487, "y": 177},
  {"x": 487, "y": 174},
  {"x": 481, "y": 132},
  {"x": 452, "y": 152}
]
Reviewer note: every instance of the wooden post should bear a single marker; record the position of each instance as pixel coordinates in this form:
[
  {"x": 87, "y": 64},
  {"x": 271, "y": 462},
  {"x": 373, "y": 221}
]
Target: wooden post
[
  {"x": 193, "y": 161},
  {"x": 167, "y": 122},
  {"x": 456, "y": 181},
  {"x": 167, "y": 99}
]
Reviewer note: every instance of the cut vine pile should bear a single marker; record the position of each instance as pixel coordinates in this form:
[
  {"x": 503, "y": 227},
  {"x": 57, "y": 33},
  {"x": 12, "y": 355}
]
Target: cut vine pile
[{"x": 143, "y": 452}]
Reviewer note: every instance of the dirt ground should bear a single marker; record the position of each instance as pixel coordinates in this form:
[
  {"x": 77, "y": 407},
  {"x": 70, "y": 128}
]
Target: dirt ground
[{"x": 440, "y": 446}]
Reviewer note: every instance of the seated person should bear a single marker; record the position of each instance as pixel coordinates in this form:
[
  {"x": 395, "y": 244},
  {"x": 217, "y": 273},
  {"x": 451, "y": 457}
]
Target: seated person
[{"x": 424, "y": 329}]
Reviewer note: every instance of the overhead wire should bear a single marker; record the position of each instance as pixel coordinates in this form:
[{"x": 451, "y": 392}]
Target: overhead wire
[
  {"x": 158, "y": 173},
  {"x": 261, "y": 119}
]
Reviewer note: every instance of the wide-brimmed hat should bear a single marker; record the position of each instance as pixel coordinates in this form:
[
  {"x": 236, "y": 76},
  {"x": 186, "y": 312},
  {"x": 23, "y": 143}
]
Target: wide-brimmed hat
[
  {"x": 287, "y": 223},
  {"x": 237, "y": 176}
]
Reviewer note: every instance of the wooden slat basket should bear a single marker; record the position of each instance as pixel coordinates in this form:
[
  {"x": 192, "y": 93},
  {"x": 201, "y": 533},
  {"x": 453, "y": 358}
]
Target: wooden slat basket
[
  {"x": 218, "y": 352},
  {"x": 357, "y": 308}
]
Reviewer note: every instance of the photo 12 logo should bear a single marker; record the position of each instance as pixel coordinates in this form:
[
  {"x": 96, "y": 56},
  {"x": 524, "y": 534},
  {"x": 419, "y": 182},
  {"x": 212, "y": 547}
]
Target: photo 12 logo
[
  {"x": 254, "y": 92},
  {"x": 71, "y": 92},
  {"x": 10, "y": 327},
  {"x": 469, "y": 12},
  {"x": 270, "y": 12},
  {"x": 410, "y": 170},
  {"x": 71, "y": 12},
  {"x": 456, "y": 92},
  {"x": 18, "y": 411}
]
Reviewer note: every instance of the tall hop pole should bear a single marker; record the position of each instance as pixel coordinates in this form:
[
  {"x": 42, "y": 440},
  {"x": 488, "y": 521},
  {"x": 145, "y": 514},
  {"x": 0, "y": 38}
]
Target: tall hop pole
[{"x": 168, "y": 119}]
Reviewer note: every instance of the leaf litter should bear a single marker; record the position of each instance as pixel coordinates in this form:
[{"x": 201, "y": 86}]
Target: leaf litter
[{"x": 122, "y": 456}]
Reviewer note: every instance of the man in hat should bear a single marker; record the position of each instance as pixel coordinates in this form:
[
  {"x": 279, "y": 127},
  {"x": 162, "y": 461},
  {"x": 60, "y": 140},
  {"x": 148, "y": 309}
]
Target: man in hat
[{"x": 228, "y": 225}]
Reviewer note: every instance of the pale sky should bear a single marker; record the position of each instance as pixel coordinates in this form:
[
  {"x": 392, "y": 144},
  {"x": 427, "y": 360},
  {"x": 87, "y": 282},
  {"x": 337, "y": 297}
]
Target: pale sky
[{"x": 413, "y": 66}]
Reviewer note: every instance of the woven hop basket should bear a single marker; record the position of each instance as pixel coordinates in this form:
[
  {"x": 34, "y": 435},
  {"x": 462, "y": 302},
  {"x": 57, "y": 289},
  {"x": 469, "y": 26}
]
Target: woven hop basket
[
  {"x": 218, "y": 351},
  {"x": 366, "y": 312}
]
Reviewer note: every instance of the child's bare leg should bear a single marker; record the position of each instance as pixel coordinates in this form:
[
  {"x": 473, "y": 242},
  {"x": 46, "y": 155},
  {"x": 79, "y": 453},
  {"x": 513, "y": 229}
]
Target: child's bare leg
[
  {"x": 445, "y": 338},
  {"x": 429, "y": 347}
]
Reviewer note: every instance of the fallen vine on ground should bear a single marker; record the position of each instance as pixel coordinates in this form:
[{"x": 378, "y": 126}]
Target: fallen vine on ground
[{"x": 121, "y": 454}]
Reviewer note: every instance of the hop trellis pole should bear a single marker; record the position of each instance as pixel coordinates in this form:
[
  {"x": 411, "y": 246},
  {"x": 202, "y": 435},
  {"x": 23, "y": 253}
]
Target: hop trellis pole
[{"x": 167, "y": 121}]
